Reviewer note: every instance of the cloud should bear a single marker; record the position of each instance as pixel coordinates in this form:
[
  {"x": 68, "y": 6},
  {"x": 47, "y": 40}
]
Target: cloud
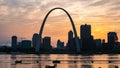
[
  {"x": 19, "y": 3},
  {"x": 115, "y": 8},
  {"x": 100, "y": 3},
  {"x": 28, "y": 14}
]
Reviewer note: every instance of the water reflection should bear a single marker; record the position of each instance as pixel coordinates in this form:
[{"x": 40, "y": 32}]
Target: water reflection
[
  {"x": 100, "y": 61},
  {"x": 5, "y": 63},
  {"x": 113, "y": 61},
  {"x": 73, "y": 62},
  {"x": 62, "y": 60},
  {"x": 86, "y": 61}
]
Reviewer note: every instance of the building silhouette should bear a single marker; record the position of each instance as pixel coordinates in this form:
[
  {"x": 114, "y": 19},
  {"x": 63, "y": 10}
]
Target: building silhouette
[
  {"x": 86, "y": 38},
  {"x": 47, "y": 42},
  {"x": 35, "y": 41},
  {"x": 14, "y": 41},
  {"x": 98, "y": 44},
  {"x": 60, "y": 45},
  {"x": 26, "y": 44},
  {"x": 87, "y": 43},
  {"x": 112, "y": 39},
  {"x": 71, "y": 42},
  {"x": 85, "y": 31},
  {"x": 70, "y": 35}
]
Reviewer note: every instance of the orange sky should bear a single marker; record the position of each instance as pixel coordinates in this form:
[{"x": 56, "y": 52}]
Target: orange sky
[{"x": 24, "y": 18}]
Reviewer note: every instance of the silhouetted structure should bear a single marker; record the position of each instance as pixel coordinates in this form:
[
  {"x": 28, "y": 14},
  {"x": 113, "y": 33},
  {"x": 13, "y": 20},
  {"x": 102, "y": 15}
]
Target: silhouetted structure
[
  {"x": 72, "y": 23},
  {"x": 35, "y": 41},
  {"x": 86, "y": 37},
  {"x": 98, "y": 44},
  {"x": 112, "y": 39},
  {"x": 70, "y": 35},
  {"x": 14, "y": 41},
  {"x": 26, "y": 44},
  {"x": 85, "y": 31},
  {"x": 47, "y": 42},
  {"x": 71, "y": 42},
  {"x": 60, "y": 45}
]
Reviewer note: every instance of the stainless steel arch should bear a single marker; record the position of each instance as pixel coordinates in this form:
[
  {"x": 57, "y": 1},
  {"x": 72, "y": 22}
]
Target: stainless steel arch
[{"x": 72, "y": 23}]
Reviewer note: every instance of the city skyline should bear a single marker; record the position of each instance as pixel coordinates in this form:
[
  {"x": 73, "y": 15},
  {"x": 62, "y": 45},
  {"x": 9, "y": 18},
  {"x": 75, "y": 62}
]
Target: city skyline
[
  {"x": 102, "y": 15},
  {"x": 85, "y": 35},
  {"x": 86, "y": 43}
]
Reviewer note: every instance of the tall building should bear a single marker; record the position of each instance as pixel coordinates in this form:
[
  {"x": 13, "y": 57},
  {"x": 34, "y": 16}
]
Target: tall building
[
  {"x": 85, "y": 31},
  {"x": 47, "y": 42},
  {"x": 86, "y": 38},
  {"x": 112, "y": 39},
  {"x": 14, "y": 41},
  {"x": 71, "y": 42},
  {"x": 70, "y": 35},
  {"x": 35, "y": 41}
]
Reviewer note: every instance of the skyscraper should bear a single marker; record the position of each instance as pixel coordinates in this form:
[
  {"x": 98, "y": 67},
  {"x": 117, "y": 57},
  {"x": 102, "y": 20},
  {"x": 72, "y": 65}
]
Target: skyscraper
[
  {"x": 112, "y": 39},
  {"x": 47, "y": 42},
  {"x": 70, "y": 35},
  {"x": 14, "y": 41},
  {"x": 71, "y": 42},
  {"x": 85, "y": 31},
  {"x": 35, "y": 41},
  {"x": 86, "y": 37}
]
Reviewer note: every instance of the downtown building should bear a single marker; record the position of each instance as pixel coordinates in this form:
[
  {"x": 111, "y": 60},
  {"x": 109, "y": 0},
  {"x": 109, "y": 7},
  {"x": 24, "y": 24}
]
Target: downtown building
[
  {"x": 60, "y": 44},
  {"x": 112, "y": 40},
  {"x": 46, "y": 43},
  {"x": 14, "y": 42},
  {"x": 36, "y": 41},
  {"x": 87, "y": 40},
  {"x": 71, "y": 46}
]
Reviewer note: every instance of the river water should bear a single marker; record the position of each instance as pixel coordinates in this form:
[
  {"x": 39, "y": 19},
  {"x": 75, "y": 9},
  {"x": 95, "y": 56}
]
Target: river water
[{"x": 66, "y": 61}]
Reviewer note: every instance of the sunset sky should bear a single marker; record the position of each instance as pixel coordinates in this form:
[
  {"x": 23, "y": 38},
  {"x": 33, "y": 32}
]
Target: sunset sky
[{"x": 23, "y": 18}]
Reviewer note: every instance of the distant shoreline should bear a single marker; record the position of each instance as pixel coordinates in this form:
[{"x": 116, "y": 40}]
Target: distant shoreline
[{"x": 17, "y": 53}]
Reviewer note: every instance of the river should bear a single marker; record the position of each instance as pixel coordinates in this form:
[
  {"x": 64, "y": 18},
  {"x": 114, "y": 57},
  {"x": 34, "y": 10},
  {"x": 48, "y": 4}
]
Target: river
[{"x": 66, "y": 61}]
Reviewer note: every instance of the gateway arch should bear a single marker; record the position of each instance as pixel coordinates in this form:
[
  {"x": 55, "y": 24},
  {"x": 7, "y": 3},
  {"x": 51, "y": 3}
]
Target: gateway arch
[{"x": 72, "y": 23}]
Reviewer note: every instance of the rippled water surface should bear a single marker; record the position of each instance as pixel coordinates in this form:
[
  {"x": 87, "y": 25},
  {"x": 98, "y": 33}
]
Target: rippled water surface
[{"x": 66, "y": 61}]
